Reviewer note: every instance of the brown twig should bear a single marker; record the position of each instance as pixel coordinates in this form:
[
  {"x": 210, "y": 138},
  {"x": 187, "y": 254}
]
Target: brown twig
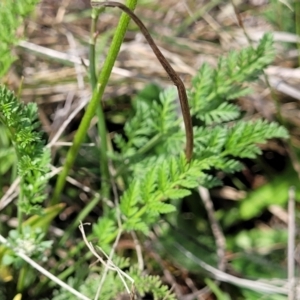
[{"x": 168, "y": 68}]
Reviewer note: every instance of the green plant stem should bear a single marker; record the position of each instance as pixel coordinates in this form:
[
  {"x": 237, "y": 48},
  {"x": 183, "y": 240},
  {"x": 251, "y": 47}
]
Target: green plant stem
[
  {"x": 102, "y": 80},
  {"x": 20, "y": 196},
  {"x": 92, "y": 107},
  {"x": 102, "y": 131},
  {"x": 19, "y": 211},
  {"x": 279, "y": 19},
  {"x": 105, "y": 177},
  {"x": 297, "y": 25},
  {"x": 22, "y": 278},
  {"x": 92, "y": 43}
]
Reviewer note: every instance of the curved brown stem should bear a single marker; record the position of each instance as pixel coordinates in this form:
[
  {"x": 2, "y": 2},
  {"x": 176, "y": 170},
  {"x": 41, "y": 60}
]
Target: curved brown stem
[{"x": 168, "y": 68}]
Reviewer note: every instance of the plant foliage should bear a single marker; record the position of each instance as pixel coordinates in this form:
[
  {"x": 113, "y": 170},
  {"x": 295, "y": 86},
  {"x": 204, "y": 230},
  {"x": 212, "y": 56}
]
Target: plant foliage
[
  {"x": 143, "y": 284},
  {"x": 152, "y": 164},
  {"x": 151, "y": 170},
  {"x": 221, "y": 138},
  {"x": 33, "y": 159},
  {"x": 12, "y": 14},
  {"x": 212, "y": 88}
]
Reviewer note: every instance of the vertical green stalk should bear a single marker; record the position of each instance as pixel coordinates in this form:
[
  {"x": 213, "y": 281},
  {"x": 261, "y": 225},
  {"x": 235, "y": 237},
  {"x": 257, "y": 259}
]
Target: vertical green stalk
[
  {"x": 19, "y": 211},
  {"x": 297, "y": 25},
  {"x": 22, "y": 278},
  {"x": 21, "y": 192},
  {"x": 279, "y": 15},
  {"x": 92, "y": 42},
  {"x": 102, "y": 130},
  {"x": 92, "y": 107}
]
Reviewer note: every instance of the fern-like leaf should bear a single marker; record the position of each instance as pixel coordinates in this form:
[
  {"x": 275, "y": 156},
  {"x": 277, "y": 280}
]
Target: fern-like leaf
[
  {"x": 211, "y": 88},
  {"x": 243, "y": 137},
  {"x": 33, "y": 159},
  {"x": 165, "y": 181},
  {"x": 223, "y": 113}
]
